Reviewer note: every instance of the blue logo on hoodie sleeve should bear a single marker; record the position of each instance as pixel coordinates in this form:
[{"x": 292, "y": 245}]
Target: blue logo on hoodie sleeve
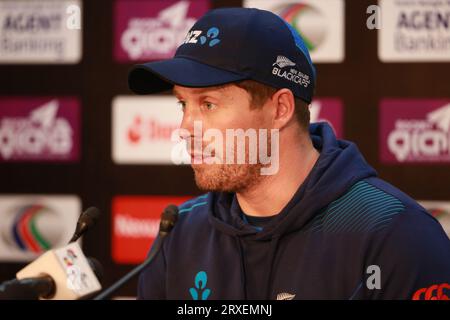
[{"x": 200, "y": 292}]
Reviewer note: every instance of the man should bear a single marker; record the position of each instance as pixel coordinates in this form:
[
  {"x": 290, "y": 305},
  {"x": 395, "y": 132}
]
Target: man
[{"x": 318, "y": 224}]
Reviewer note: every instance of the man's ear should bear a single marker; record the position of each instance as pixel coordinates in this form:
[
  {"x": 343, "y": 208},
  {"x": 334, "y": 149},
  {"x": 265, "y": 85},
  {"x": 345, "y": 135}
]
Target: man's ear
[{"x": 284, "y": 103}]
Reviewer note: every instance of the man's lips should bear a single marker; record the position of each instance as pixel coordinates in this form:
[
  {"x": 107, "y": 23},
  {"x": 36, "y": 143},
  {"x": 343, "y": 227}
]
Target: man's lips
[
  {"x": 196, "y": 151},
  {"x": 201, "y": 157}
]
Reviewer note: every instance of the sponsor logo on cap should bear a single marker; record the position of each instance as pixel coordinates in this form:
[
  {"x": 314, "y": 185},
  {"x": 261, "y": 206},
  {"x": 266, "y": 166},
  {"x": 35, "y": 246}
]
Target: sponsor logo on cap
[{"x": 211, "y": 37}]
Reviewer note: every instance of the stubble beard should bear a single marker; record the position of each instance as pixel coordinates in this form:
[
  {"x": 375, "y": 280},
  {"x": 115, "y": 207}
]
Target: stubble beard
[{"x": 227, "y": 177}]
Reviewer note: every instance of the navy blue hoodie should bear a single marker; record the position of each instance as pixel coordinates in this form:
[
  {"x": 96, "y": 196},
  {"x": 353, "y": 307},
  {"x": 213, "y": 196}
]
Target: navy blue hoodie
[{"x": 345, "y": 234}]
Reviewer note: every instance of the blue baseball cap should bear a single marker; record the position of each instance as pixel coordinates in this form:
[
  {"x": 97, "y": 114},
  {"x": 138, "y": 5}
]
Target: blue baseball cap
[{"x": 230, "y": 45}]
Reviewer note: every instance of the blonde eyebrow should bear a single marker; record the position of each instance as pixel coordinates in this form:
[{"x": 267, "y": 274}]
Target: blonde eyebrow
[{"x": 201, "y": 90}]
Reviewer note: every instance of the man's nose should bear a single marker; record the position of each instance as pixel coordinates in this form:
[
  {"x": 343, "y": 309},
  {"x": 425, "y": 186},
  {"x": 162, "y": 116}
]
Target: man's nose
[{"x": 190, "y": 116}]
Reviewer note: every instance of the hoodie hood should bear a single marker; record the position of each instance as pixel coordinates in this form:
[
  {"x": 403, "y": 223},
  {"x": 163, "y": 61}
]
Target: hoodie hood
[{"x": 339, "y": 166}]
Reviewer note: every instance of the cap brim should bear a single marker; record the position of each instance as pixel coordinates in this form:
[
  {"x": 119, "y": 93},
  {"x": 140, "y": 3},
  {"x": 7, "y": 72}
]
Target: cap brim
[{"x": 154, "y": 77}]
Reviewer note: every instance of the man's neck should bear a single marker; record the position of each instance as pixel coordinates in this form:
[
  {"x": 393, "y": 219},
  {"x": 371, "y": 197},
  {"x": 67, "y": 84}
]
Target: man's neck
[{"x": 273, "y": 192}]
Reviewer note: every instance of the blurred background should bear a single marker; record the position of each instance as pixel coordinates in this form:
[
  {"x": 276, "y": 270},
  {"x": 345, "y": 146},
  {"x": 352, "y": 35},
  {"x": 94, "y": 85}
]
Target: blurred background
[{"x": 72, "y": 135}]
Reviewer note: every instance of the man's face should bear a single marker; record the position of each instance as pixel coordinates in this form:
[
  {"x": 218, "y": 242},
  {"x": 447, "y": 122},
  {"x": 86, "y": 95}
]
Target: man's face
[{"x": 221, "y": 108}]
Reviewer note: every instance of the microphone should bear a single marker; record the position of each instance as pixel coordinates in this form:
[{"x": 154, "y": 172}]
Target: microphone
[
  {"x": 27, "y": 289},
  {"x": 169, "y": 218},
  {"x": 73, "y": 276},
  {"x": 86, "y": 220},
  {"x": 63, "y": 273},
  {"x": 41, "y": 287},
  {"x": 97, "y": 267}
]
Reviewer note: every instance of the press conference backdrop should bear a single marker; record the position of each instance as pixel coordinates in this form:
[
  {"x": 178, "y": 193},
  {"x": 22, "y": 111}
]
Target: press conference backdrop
[{"x": 72, "y": 135}]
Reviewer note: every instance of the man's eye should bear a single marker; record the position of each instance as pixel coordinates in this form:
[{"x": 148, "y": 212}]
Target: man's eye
[{"x": 210, "y": 106}]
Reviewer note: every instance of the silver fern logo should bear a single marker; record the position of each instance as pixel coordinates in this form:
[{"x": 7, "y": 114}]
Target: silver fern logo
[
  {"x": 282, "y": 62},
  {"x": 285, "y": 296}
]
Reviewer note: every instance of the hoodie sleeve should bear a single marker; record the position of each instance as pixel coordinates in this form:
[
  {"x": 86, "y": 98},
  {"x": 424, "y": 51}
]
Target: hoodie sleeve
[
  {"x": 152, "y": 284},
  {"x": 413, "y": 256}
]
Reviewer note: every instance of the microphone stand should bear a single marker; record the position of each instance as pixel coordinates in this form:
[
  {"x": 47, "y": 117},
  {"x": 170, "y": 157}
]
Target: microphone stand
[{"x": 121, "y": 282}]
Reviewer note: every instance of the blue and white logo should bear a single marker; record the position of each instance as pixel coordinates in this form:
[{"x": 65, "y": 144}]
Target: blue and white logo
[
  {"x": 211, "y": 37},
  {"x": 200, "y": 292}
]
